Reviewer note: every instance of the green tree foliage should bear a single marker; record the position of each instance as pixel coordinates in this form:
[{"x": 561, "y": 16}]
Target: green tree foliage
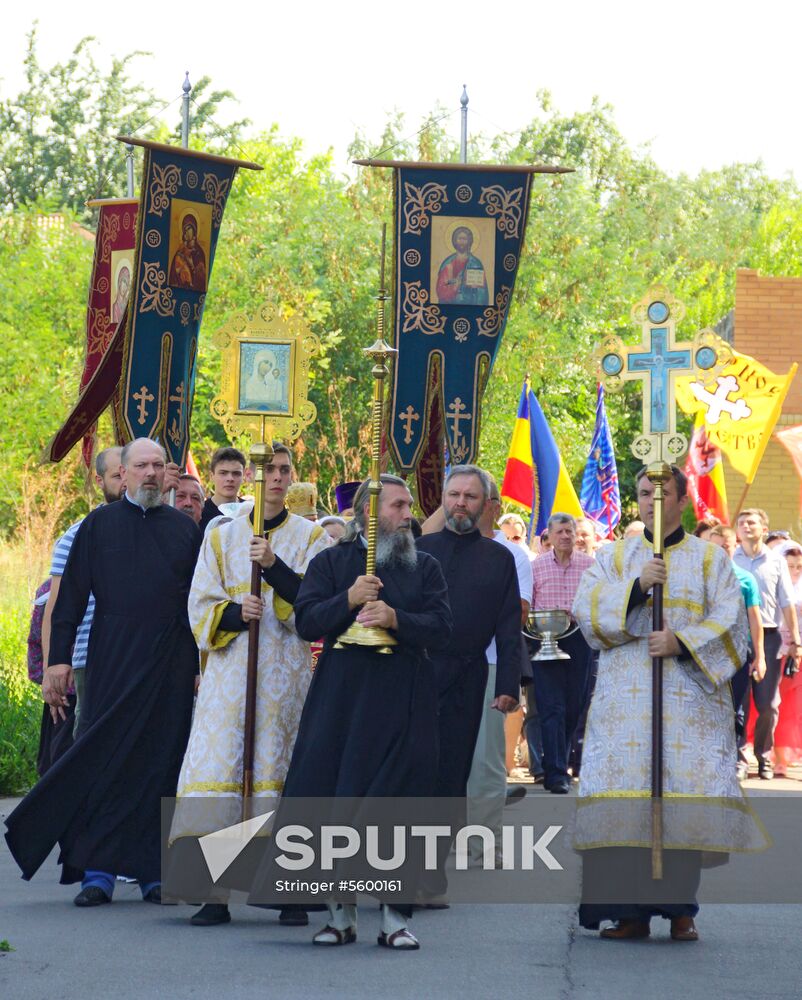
[
  {"x": 57, "y": 146},
  {"x": 304, "y": 237}
]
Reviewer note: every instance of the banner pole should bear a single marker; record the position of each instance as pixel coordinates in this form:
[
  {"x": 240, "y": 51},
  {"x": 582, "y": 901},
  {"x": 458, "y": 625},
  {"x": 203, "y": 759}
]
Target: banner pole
[
  {"x": 187, "y": 89},
  {"x": 463, "y": 141}
]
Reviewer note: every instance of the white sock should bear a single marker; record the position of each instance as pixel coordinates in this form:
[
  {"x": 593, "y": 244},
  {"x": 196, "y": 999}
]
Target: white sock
[
  {"x": 342, "y": 915},
  {"x": 392, "y": 920}
]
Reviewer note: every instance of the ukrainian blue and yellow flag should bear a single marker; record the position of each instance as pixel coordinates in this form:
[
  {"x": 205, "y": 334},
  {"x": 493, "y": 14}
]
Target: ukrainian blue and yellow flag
[{"x": 536, "y": 476}]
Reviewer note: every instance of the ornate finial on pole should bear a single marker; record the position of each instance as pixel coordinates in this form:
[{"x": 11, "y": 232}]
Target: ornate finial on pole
[
  {"x": 463, "y": 141},
  {"x": 378, "y": 352},
  {"x": 187, "y": 89}
]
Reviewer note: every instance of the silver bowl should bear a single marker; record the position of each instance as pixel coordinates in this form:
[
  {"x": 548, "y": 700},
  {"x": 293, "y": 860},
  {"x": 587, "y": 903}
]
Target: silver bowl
[{"x": 548, "y": 627}]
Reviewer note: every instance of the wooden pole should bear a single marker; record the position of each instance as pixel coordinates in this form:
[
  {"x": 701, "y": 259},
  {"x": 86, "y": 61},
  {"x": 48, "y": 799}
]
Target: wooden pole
[
  {"x": 261, "y": 454},
  {"x": 658, "y": 474},
  {"x": 741, "y": 502}
]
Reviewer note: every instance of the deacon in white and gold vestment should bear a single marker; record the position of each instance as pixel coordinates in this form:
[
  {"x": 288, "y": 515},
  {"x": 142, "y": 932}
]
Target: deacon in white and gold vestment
[
  {"x": 704, "y": 810},
  {"x": 210, "y": 784}
]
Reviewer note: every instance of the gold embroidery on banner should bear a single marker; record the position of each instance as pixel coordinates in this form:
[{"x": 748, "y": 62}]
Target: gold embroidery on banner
[
  {"x": 418, "y": 201},
  {"x": 406, "y": 417},
  {"x": 109, "y": 231},
  {"x": 215, "y": 192},
  {"x": 505, "y": 207},
  {"x": 493, "y": 316},
  {"x": 164, "y": 183},
  {"x": 176, "y": 428},
  {"x": 100, "y": 330},
  {"x": 418, "y": 313},
  {"x": 459, "y": 445},
  {"x": 142, "y": 398},
  {"x": 156, "y": 297}
]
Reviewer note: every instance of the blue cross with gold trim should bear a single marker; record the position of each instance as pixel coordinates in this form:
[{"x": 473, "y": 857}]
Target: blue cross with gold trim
[{"x": 658, "y": 360}]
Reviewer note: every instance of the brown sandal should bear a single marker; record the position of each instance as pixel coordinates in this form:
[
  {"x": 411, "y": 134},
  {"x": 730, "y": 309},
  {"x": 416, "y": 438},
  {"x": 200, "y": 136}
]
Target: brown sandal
[
  {"x": 400, "y": 940},
  {"x": 331, "y": 936}
]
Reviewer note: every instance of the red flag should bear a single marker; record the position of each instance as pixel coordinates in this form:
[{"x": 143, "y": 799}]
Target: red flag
[
  {"x": 791, "y": 439},
  {"x": 705, "y": 473},
  {"x": 192, "y": 469}
]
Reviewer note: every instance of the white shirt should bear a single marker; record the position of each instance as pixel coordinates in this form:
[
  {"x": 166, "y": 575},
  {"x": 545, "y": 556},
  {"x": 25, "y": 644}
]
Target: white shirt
[{"x": 524, "y": 569}]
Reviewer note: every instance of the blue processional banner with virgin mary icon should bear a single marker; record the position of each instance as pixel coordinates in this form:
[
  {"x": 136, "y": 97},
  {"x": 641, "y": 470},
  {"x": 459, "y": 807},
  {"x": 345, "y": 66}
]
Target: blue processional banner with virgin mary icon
[
  {"x": 184, "y": 194},
  {"x": 458, "y": 236}
]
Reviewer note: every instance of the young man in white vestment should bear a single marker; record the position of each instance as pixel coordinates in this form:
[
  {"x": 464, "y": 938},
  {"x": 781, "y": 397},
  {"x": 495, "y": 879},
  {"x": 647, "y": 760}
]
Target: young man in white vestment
[
  {"x": 220, "y": 609},
  {"x": 702, "y": 644}
]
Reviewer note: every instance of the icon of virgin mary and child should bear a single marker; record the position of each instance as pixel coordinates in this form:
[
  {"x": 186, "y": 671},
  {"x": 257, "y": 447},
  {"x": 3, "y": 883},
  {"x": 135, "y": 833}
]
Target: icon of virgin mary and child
[{"x": 461, "y": 278}]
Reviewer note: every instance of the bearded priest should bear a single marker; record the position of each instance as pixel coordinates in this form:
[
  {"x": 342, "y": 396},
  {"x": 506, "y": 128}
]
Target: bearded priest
[{"x": 369, "y": 725}]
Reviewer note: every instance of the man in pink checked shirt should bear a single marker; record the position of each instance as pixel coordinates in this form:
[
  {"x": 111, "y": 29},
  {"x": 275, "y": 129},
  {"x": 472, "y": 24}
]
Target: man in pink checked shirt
[{"x": 561, "y": 686}]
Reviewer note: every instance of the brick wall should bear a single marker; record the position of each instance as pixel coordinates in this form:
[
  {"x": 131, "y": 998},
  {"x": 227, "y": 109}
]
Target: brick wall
[{"x": 768, "y": 327}]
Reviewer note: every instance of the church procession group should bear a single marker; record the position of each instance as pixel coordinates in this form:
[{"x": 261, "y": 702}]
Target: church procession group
[{"x": 141, "y": 637}]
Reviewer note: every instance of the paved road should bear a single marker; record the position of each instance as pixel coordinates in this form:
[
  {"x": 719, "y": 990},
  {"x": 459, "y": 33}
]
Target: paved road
[{"x": 138, "y": 951}]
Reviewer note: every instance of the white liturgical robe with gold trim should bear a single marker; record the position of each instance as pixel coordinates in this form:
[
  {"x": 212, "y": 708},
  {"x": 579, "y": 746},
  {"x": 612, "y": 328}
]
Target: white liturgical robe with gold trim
[
  {"x": 210, "y": 784},
  {"x": 704, "y": 807}
]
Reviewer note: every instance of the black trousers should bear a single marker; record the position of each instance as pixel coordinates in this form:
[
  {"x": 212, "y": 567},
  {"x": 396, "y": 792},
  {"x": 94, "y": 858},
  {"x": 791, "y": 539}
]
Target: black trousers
[
  {"x": 617, "y": 884},
  {"x": 561, "y": 689}
]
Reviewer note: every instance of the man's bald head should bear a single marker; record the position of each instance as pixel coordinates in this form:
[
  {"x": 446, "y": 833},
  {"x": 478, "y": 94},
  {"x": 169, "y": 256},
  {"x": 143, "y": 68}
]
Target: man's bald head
[{"x": 143, "y": 464}]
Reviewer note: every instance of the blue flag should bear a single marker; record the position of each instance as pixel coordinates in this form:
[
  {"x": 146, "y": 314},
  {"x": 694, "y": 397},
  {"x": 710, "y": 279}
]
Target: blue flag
[{"x": 600, "y": 496}]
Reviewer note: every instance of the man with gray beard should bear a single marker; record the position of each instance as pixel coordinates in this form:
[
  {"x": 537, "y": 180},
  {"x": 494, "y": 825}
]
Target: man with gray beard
[
  {"x": 485, "y": 603},
  {"x": 369, "y": 724},
  {"x": 101, "y": 801}
]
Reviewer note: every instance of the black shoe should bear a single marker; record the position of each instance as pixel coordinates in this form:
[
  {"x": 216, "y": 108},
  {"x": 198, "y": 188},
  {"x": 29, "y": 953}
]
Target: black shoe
[
  {"x": 153, "y": 895},
  {"x": 92, "y": 895},
  {"x": 560, "y": 787},
  {"x": 293, "y": 918},
  {"x": 515, "y": 794},
  {"x": 211, "y": 914},
  {"x": 765, "y": 771}
]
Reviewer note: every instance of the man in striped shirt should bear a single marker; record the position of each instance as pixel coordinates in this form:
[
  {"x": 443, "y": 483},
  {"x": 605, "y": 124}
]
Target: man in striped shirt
[
  {"x": 561, "y": 686},
  {"x": 109, "y": 480}
]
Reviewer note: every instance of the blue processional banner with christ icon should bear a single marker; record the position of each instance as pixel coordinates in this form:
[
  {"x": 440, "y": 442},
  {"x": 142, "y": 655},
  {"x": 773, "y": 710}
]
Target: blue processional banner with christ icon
[
  {"x": 184, "y": 194},
  {"x": 458, "y": 237}
]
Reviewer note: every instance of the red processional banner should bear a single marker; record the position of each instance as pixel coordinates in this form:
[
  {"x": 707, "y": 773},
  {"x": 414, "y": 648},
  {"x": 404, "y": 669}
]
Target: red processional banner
[{"x": 112, "y": 274}]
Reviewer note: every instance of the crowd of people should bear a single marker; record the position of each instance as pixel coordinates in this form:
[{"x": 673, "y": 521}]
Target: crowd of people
[{"x": 140, "y": 642}]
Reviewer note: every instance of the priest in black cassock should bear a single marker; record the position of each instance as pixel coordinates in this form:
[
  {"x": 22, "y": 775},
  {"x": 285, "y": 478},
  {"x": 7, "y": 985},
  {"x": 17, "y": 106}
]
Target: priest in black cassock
[
  {"x": 485, "y": 603},
  {"x": 101, "y": 801},
  {"x": 369, "y": 726}
]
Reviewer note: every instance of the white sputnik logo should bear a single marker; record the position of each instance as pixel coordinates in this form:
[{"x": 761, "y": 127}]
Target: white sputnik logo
[{"x": 222, "y": 848}]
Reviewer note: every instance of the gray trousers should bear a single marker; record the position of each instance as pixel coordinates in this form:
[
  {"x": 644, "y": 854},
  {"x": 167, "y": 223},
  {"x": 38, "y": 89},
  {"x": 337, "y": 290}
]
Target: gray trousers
[
  {"x": 79, "y": 681},
  {"x": 487, "y": 782},
  {"x": 766, "y": 696}
]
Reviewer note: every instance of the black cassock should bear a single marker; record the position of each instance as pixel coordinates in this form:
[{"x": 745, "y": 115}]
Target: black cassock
[
  {"x": 485, "y": 601},
  {"x": 369, "y": 723},
  {"x": 100, "y": 801}
]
